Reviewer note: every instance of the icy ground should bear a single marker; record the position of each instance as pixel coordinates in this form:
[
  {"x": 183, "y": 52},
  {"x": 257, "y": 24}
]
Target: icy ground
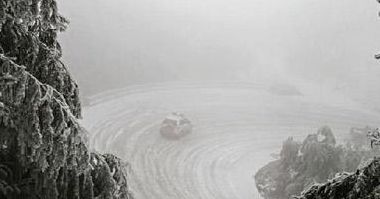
[{"x": 236, "y": 128}]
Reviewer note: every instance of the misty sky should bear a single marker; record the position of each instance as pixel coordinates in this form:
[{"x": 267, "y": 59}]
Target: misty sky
[{"x": 113, "y": 43}]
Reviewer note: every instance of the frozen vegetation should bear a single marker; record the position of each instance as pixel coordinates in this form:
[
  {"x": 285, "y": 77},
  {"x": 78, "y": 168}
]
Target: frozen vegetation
[
  {"x": 315, "y": 160},
  {"x": 44, "y": 151}
]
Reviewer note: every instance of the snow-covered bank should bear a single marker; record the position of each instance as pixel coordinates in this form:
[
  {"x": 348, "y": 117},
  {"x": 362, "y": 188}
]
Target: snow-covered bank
[{"x": 236, "y": 127}]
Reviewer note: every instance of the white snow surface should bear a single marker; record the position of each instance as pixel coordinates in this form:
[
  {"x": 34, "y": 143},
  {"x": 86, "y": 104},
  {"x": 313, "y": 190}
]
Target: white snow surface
[{"x": 237, "y": 126}]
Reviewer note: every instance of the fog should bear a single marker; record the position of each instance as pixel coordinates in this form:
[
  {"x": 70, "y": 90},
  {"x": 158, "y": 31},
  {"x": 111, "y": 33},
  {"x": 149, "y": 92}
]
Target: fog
[
  {"x": 246, "y": 73},
  {"x": 114, "y": 43}
]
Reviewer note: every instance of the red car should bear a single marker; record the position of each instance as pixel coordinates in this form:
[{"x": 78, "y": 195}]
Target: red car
[{"x": 175, "y": 126}]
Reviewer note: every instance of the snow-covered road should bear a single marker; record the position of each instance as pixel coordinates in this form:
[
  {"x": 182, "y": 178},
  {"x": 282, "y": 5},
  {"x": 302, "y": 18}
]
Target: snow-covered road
[{"x": 236, "y": 128}]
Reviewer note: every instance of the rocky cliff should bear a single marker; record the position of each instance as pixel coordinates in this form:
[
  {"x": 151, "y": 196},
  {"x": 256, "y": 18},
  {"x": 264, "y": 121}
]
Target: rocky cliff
[{"x": 43, "y": 149}]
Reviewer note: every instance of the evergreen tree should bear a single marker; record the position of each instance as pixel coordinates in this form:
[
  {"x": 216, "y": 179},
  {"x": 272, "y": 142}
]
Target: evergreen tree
[{"x": 43, "y": 149}]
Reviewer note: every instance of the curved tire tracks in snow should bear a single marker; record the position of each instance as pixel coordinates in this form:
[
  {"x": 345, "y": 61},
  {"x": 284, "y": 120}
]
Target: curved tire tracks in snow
[{"x": 236, "y": 127}]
